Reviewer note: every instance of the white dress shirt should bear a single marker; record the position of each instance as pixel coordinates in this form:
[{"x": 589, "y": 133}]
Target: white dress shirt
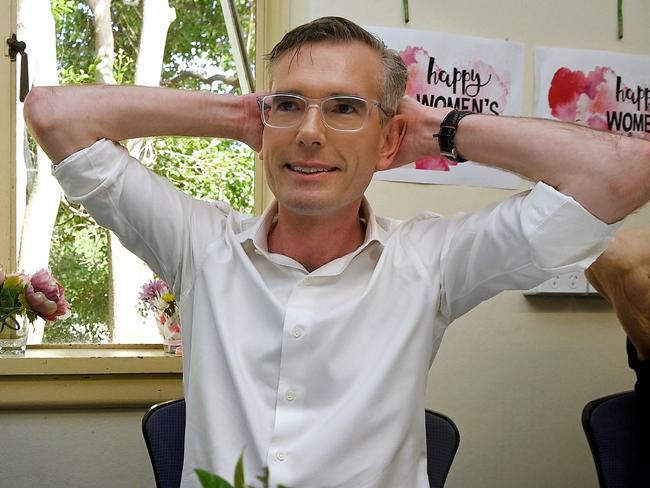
[{"x": 320, "y": 376}]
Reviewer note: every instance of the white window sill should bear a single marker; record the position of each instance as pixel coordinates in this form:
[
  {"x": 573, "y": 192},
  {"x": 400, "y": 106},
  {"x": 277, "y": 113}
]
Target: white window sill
[{"x": 89, "y": 377}]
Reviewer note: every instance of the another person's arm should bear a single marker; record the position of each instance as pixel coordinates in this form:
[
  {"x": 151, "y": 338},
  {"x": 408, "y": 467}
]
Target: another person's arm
[
  {"x": 65, "y": 119},
  {"x": 622, "y": 275},
  {"x": 607, "y": 174}
]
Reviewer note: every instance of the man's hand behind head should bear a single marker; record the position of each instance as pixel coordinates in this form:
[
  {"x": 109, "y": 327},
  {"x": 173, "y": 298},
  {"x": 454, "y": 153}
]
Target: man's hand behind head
[
  {"x": 421, "y": 123},
  {"x": 252, "y": 126}
]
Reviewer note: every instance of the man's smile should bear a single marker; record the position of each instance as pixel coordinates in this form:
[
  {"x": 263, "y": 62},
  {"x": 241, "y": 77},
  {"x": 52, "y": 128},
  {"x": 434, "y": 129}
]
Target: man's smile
[{"x": 309, "y": 168}]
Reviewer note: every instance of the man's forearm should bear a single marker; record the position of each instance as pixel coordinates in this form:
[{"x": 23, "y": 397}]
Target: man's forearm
[
  {"x": 608, "y": 174},
  {"x": 66, "y": 119}
]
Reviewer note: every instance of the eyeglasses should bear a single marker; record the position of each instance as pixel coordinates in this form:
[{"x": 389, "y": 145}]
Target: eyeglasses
[{"x": 345, "y": 113}]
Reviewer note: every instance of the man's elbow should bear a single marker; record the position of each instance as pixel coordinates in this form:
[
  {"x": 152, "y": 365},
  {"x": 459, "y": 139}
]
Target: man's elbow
[
  {"x": 38, "y": 111},
  {"x": 42, "y": 112}
]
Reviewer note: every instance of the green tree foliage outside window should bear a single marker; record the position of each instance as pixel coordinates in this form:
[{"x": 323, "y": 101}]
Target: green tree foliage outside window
[{"x": 197, "y": 57}]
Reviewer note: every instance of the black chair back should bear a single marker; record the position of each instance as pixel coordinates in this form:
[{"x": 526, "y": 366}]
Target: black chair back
[
  {"x": 163, "y": 428},
  {"x": 610, "y": 424},
  {"x": 443, "y": 439}
]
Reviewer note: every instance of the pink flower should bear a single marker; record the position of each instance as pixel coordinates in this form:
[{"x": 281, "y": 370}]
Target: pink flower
[
  {"x": 151, "y": 293},
  {"x": 46, "y": 297}
]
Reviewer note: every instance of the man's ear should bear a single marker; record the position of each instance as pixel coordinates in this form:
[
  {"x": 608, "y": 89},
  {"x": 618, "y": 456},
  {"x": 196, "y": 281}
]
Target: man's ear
[{"x": 391, "y": 139}]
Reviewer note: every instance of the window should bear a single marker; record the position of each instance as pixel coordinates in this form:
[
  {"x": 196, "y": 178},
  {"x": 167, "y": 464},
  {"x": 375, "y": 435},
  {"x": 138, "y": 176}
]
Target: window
[{"x": 101, "y": 42}]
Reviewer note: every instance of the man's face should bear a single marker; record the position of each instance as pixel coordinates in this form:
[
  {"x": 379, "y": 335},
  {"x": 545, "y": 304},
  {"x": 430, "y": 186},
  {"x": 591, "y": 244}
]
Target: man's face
[{"x": 350, "y": 158}]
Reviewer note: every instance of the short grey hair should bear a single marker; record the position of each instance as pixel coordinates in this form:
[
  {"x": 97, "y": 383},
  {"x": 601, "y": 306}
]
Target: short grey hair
[{"x": 392, "y": 83}]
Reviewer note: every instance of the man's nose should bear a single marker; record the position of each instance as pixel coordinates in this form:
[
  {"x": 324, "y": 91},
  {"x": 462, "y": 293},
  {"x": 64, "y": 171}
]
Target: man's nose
[{"x": 311, "y": 130}]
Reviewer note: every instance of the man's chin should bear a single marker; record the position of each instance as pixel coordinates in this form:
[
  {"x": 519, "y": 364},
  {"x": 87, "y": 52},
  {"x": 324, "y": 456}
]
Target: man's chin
[
  {"x": 309, "y": 208},
  {"x": 312, "y": 205}
]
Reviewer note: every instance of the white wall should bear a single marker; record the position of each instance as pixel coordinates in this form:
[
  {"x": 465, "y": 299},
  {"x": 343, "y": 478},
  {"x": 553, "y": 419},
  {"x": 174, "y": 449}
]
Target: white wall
[
  {"x": 516, "y": 371},
  {"x": 73, "y": 449}
]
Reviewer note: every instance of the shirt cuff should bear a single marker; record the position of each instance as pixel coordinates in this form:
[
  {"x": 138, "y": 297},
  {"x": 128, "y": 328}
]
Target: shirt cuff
[
  {"x": 90, "y": 169},
  {"x": 549, "y": 217}
]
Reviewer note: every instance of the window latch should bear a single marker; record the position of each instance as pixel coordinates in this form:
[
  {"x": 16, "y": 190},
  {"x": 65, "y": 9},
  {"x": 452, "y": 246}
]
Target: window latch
[{"x": 18, "y": 47}]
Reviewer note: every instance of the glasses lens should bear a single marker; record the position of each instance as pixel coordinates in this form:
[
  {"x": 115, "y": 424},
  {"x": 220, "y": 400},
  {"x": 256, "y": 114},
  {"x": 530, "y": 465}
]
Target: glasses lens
[
  {"x": 345, "y": 113},
  {"x": 283, "y": 110},
  {"x": 340, "y": 112}
]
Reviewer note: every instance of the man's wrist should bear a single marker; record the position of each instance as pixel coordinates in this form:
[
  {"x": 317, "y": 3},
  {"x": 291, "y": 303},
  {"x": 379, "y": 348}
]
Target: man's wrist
[
  {"x": 446, "y": 135},
  {"x": 428, "y": 145}
]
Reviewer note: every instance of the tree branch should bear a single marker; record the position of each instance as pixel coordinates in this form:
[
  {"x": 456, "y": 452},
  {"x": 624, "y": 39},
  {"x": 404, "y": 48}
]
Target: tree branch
[{"x": 184, "y": 75}]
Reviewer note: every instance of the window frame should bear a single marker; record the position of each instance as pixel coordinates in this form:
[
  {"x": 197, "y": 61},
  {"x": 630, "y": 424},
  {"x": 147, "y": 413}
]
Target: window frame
[
  {"x": 99, "y": 375},
  {"x": 8, "y": 245}
]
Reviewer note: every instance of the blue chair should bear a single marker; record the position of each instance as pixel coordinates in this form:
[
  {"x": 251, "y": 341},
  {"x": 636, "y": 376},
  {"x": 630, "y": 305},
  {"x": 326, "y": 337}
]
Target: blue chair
[
  {"x": 443, "y": 439},
  {"x": 163, "y": 427},
  {"x": 610, "y": 424}
]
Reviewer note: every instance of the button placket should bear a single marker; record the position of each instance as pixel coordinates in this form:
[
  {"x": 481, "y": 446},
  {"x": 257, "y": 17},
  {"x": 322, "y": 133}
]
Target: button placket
[{"x": 289, "y": 418}]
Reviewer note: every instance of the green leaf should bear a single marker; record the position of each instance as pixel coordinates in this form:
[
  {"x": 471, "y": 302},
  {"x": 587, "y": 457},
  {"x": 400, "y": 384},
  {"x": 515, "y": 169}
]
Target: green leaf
[
  {"x": 211, "y": 480},
  {"x": 239, "y": 472}
]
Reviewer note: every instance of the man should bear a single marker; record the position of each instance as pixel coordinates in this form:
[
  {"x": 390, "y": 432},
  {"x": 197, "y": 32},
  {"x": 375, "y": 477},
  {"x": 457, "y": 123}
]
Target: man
[
  {"x": 622, "y": 275},
  {"x": 308, "y": 332}
]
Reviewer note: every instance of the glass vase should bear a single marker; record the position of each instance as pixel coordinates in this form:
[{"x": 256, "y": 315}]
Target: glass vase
[
  {"x": 170, "y": 329},
  {"x": 13, "y": 335}
]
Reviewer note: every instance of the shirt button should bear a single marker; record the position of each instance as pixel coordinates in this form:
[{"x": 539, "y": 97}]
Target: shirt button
[
  {"x": 280, "y": 456},
  {"x": 297, "y": 332},
  {"x": 290, "y": 395},
  {"x": 308, "y": 281},
  {"x": 258, "y": 252}
]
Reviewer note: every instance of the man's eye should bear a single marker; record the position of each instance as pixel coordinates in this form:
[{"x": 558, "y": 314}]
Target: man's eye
[
  {"x": 344, "y": 108},
  {"x": 287, "y": 106}
]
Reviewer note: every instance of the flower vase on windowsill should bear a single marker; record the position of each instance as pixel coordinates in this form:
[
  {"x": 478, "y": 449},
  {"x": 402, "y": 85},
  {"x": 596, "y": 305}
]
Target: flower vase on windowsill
[
  {"x": 23, "y": 299},
  {"x": 13, "y": 335},
  {"x": 157, "y": 297},
  {"x": 170, "y": 330}
]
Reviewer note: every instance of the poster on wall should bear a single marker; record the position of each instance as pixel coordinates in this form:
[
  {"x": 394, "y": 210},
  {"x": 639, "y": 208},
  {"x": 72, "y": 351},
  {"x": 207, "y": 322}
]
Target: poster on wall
[
  {"x": 467, "y": 73},
  {"x": 603, "y": 90}
]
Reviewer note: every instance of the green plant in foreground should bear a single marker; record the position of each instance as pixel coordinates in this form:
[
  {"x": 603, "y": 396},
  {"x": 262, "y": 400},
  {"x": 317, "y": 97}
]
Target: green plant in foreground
[{"x": 211, "y": 480}]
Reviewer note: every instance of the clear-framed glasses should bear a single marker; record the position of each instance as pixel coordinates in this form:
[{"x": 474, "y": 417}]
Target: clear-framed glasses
[{"x": 338, "y": 112}]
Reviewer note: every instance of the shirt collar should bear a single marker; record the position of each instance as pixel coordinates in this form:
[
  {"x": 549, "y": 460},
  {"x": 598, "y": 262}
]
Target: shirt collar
[{"x": 256, "y": 229}]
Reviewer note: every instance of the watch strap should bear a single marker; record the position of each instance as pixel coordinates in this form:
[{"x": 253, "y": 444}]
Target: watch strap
[{"x": 447, "y": 133}]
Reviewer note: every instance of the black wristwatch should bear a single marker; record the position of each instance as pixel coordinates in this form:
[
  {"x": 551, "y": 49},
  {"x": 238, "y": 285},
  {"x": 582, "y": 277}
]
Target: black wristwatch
[{"x": 447, "y": 133}]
